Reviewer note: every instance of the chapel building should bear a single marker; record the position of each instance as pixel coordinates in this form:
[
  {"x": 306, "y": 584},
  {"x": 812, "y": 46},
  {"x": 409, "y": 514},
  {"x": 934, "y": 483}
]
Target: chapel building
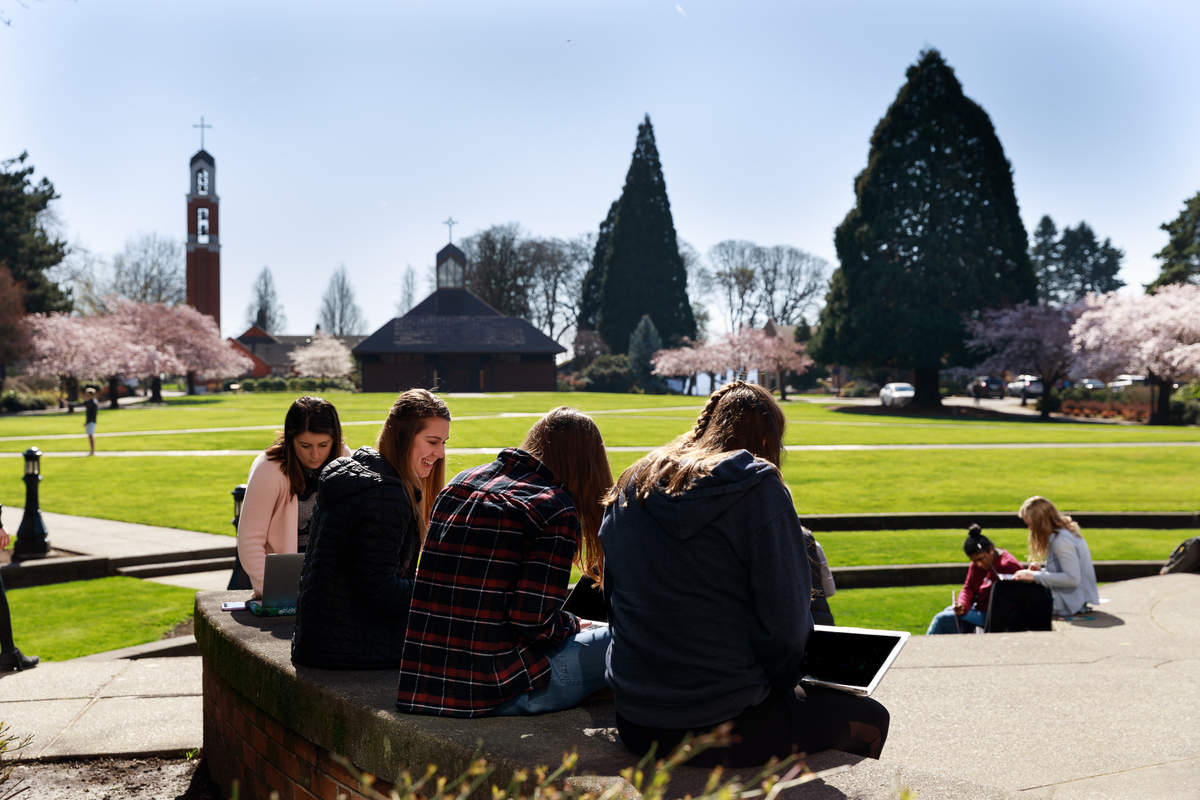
[{"x": 453, "y": 341}]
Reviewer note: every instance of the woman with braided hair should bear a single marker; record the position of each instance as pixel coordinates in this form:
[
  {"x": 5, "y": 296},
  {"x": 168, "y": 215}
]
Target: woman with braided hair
[
  {"x": 988, "y": 565},
  {"x": 708, "y": 587}
]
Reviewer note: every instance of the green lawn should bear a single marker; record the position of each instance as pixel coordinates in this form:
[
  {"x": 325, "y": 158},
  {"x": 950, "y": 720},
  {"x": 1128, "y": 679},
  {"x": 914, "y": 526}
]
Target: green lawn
[
  {"x": 897, "y": 609},
  {"x": 67, "y": 620}
]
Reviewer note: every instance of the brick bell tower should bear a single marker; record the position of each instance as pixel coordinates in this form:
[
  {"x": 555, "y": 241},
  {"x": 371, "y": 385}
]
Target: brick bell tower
[{"x": 203, "y": 244}]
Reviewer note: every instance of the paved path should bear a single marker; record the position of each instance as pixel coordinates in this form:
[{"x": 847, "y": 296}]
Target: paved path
[
  {"x": 126, "y": 542},
  {"x": 791, "y": 448}
]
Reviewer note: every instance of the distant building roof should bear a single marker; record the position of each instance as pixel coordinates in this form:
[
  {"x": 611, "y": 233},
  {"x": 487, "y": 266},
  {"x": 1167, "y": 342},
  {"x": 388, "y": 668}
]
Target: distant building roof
[
  {"x": 453, "y": 252},
  {"x": 274, "y": 350},
  {"x": 203, "y": 155},
  {"x": 456, "y": 321}
]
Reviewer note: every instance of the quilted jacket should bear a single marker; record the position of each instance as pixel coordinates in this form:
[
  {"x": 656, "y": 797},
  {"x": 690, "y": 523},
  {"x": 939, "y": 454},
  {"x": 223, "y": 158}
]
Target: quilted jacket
[{"x": 358, "y": 569}]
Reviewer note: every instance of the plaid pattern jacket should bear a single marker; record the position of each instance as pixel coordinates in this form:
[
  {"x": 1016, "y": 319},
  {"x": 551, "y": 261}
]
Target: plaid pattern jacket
[{"x": 493, "y": 577}]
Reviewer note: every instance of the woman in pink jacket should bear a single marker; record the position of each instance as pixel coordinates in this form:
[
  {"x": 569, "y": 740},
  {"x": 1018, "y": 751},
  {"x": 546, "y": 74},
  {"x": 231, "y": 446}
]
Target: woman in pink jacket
[{"x": 281, "y": 490}]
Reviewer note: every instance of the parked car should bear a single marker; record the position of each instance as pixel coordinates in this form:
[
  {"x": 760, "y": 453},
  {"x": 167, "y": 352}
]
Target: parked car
[
  {"x": 1121, "y": 381},
  {"x": 1032, "y": 385},
  {"x": 896, "y": 394},
  {"x": 992, "y": 387},
  {"x": 1091, "y": 384}
]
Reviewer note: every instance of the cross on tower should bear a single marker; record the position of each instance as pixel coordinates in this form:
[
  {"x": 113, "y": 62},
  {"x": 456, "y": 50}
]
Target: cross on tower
[
  {"x": 202, "y": 126},
  {"x": 450, "y": 223}
]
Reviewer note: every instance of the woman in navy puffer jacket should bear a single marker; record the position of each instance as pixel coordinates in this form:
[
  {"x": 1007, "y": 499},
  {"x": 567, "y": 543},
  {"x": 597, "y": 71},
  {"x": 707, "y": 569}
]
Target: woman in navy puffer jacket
[{"x": 371, "y": 516}]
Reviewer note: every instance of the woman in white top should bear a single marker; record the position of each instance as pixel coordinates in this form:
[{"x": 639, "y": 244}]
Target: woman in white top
[
  {"x": 1067, "y": 572},
  {"x": 281, "y": 490}
]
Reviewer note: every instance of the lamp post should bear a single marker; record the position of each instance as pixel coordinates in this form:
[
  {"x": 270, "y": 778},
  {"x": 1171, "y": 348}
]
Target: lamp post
[
  {"x": 239, "y": 579},
  {"x": 32, "y": 540}
]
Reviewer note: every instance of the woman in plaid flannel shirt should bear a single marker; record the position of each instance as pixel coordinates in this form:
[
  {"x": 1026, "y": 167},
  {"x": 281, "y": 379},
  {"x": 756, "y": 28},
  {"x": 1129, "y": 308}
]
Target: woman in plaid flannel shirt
[{"x": 487, "y": 633}]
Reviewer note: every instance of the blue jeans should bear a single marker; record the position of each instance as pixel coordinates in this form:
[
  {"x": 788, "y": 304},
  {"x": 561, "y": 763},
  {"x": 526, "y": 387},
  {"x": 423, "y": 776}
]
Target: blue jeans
[
  {"x": 947, "y": 622},
  {"x": 576, "y": 670}
]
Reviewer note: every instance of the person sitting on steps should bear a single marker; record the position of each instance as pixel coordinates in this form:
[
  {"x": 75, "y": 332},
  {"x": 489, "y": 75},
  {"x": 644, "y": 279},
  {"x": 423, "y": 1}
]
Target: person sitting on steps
[{"x": 988, "y": 563}]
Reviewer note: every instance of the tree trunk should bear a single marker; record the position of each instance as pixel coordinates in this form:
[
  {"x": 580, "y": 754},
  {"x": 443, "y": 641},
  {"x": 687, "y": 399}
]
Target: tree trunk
[
  {"x": 3, "y": 373},
  {"x": 1160, "y": 412},
  {"x": 782, "y": 385},
  {"x": 114, "y": 391},
  {"x": 72, "y": 390},
  {"x": 156, "y": 389},
  {"x": 925, "y": 382},
  {"x": 191, "y": 382}
]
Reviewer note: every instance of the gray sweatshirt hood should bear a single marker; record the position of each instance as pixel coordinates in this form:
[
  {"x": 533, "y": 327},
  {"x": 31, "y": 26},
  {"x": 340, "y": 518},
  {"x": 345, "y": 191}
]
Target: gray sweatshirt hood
[{"x": 684, "y": 515}]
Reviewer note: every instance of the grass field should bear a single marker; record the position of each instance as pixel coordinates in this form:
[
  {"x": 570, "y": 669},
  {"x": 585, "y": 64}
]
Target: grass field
[
  {"x": 899, "y": 609},
  {"x": 67, "y": 620}
]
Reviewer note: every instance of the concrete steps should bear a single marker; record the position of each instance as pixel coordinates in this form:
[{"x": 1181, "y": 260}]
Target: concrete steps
[{"x": 156, "y": 570}]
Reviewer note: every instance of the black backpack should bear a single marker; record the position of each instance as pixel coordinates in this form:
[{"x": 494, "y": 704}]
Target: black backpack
[{"x": 1186, "y": 558}]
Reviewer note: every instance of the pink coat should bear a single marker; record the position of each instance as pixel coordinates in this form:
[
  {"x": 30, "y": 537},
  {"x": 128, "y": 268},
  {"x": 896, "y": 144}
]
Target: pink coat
[{"x": 269, "y": 518}]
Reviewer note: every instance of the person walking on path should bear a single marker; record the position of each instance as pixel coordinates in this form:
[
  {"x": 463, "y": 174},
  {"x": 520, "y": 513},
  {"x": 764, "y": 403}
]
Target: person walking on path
[
  {"x": 10, "y": 657},
  {"x": 91, "y": 408}
]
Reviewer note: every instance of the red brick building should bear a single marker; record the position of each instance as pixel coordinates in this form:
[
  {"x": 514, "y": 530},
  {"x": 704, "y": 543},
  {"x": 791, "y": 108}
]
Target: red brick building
[
  {"x": 203, "y": 244},
  {"x": 452, "y": 341}
]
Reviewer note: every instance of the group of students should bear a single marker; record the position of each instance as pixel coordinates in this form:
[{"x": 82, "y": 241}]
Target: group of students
[
  {"x": 707, "y": 581},
  {"x": 1065, "y": 574}
]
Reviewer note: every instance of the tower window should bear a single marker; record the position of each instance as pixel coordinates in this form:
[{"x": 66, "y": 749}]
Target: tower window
[
  {"x": 450, "y": 274},
  {"x": 202, "y": 182},
  {"x": 202, "y": 225}
]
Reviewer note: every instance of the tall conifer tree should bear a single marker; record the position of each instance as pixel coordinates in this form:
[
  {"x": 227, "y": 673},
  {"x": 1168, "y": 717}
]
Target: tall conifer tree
[
  {"x": 643, "y": 271},
  {"x": 935, "y": 234},
  {"x": 589, "y": 303}
]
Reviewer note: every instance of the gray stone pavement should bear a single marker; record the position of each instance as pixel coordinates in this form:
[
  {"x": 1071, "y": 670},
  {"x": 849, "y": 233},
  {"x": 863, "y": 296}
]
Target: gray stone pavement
[
  {"x": 84, "y": 709},
  {"x": 125, "y": 543},
  {"x": 1100, "y": 708}
]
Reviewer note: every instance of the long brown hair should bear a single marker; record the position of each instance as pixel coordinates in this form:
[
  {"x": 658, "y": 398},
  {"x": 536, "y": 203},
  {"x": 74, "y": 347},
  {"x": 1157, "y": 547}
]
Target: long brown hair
[
  {"x": 404, "y": 423},
  {"x": 1043, "y": 519},
  {"x": 738, "y": 416},
  {"x": 568, "y": 442},
  {"x": 306, "y": 415}
]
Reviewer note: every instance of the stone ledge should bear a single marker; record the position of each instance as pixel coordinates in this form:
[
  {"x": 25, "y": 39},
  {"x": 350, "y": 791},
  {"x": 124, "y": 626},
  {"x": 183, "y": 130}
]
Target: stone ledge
[
  {"x": 268, "y": 724},
  {"x": 878, "y": 577},
  {"x": 1156, "y": 520},
  {"x": 44, "y": 571}
]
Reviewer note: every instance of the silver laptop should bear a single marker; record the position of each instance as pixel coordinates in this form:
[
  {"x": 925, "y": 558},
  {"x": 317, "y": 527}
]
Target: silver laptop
[
  {"x": 281, "y": 585},
  {"x": 850, "y": 660}
]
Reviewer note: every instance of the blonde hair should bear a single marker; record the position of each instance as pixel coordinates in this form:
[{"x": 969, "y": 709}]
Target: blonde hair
[
  {"x": 568, "y": 442},
  {"x": 1043, "y": 519},
  {"x": 738, "y": 416},
  {"x": 408, "y": 417}
]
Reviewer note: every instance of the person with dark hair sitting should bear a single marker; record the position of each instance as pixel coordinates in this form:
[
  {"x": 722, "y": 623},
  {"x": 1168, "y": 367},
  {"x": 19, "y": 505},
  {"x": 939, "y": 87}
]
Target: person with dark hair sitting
[{"x": 988, "y": 563}]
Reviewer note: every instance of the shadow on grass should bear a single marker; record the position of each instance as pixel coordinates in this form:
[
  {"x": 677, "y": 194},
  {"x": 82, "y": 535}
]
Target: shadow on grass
[{"x": 950, "y": 412}]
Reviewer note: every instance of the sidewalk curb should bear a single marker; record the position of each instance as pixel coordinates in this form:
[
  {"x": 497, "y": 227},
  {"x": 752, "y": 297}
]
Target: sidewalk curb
[{"x": 177, "y": 647}]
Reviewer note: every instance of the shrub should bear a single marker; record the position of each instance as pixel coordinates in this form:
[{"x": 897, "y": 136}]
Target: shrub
[
  {"x": 856, "y": 389},
  {"x": 13, "y": 400},
  {"x": 271, "y": 383},
  {"x": 608, "y": 373},
  {"x": 1185, "y": 404}
]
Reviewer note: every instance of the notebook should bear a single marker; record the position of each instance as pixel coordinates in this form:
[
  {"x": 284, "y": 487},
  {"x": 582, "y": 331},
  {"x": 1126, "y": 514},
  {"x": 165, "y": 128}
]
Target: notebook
[
  {"x": 281, "y": 585},
  {"x": 850, "y": 660}
]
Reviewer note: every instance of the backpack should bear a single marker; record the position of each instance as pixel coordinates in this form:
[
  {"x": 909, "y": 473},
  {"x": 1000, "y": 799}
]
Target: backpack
[{"x": 1186, "y": 558}]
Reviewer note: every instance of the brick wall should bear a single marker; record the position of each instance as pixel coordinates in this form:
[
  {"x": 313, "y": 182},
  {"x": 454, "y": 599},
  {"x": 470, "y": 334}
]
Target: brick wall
[{"x": 243, "y": 744}]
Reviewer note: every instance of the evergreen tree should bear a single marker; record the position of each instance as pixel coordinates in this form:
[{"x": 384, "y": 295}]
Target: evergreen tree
[
  {"x": 644, "y": 342},
  {"x": 1181, "y": 256},
  {"x": 935, "y": 234},
  {"x": 1073, "y": 264},
  {"x": 26, "y": 247},
  {"x": 643, "y": 271},
  {"x": 589, "y": 302},
  {"x": 1046, "y": 257}
]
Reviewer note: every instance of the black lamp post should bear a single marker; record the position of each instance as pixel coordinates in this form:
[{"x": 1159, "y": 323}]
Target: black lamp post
[
  {"x": 239, "y": 579},
  {"x": 32, "y": 539}
]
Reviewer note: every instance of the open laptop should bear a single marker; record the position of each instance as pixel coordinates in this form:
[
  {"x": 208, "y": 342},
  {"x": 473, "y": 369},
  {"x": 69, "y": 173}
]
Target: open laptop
[
  {"x": 281, "y": 585},
  {"x": 850, "y": 660}
]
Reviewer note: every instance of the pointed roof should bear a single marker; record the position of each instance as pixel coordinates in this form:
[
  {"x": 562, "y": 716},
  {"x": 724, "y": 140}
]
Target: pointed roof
[
  {"x": 456, "y": 321},
  {"x": 452, "y": 252},
  {"x": 202, "y": 155}
]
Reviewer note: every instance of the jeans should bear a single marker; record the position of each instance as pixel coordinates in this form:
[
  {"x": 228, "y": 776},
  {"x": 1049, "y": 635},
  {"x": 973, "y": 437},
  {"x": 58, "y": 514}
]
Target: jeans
[
  {"x": 947, "y": 621},
  {"x": 576, "y": 670}
]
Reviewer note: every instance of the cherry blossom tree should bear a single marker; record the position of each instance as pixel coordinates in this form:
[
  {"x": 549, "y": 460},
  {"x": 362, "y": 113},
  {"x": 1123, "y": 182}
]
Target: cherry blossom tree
[
  {"x": 81, "y": 348},
  {"x": 325, "y": 357},
  {"x": 1029, "y": 337},
  {"x": 742, "y": 351},
  {"x": 1158, "y": 334}
]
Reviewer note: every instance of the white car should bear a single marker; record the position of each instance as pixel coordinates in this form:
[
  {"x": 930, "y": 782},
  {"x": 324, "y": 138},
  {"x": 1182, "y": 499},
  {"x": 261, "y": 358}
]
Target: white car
[
  {"x": 896, "y": 394},
  {"x": 1121, "y": 381},
  {"x": 1032, "y": 385}
]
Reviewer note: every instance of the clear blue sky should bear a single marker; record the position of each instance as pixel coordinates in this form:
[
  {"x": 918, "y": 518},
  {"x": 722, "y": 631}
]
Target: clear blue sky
[{"x": 346, "y": 132}]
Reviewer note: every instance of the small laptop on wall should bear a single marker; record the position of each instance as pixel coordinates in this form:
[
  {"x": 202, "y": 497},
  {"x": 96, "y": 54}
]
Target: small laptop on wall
[
  {"x": 850, "y": 660},
  {"x": 281, "y": 586}
]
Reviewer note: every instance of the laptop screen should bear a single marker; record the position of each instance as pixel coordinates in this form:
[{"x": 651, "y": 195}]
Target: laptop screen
[{"x": 850, "y": 657}]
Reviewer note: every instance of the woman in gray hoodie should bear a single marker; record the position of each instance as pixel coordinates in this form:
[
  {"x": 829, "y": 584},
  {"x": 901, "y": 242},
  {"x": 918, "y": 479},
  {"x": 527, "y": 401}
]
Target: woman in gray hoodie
[{"x": 708, "y": 586}]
